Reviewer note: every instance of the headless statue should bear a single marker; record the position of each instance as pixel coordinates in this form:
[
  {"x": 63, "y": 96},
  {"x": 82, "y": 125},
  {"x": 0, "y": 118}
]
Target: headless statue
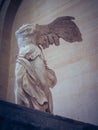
[{"x": 33, "y": 77}]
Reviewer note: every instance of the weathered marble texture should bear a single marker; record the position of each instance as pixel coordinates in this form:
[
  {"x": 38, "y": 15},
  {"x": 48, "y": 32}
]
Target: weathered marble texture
[{"x": 75, "y": 64}]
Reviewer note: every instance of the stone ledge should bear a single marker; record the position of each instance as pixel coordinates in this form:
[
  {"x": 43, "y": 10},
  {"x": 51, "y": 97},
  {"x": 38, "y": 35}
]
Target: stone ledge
[{"x": 15, "y": 117}]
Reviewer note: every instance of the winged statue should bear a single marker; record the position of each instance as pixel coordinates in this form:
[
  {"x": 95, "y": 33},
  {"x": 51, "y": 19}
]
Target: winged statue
[{"x": 33, "y": 78}]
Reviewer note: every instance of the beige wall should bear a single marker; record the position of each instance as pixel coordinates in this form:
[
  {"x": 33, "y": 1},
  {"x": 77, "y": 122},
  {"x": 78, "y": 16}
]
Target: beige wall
[{"x": 76, "y": 65}]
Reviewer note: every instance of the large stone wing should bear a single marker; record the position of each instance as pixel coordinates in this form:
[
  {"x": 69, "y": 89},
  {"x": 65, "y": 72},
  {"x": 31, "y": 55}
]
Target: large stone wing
[{"x": 63, "y": 27}]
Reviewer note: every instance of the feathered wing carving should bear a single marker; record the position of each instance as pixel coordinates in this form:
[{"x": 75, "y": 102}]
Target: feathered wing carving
[{"x": 62, "y": 27}]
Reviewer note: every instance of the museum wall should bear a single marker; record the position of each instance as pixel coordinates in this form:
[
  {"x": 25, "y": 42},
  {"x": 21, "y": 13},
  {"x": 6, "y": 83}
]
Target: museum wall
[
  {"x": 4, "y": 52},
  {"x": 8, "y": 9},
  {"x": 76, "y": 65}
]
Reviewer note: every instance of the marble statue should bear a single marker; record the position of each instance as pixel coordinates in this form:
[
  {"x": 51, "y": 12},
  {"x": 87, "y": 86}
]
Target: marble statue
[{"x": 33, "y": 77}]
